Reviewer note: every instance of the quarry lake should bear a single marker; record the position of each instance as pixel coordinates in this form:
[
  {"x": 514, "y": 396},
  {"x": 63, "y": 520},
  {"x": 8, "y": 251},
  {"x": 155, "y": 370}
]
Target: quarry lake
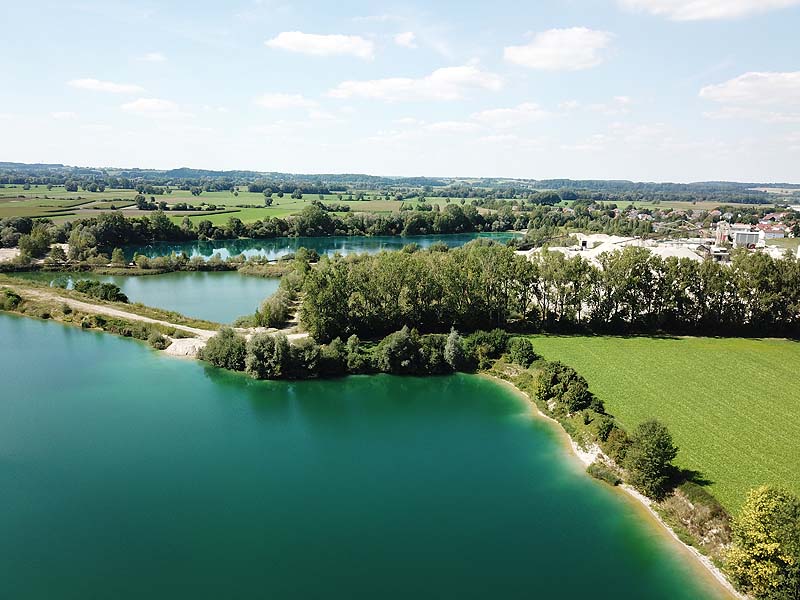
[
  {"x": 277, "y": 247},
  {"x": 216, "y": 296},
  {"x": 128, "y": 474}
]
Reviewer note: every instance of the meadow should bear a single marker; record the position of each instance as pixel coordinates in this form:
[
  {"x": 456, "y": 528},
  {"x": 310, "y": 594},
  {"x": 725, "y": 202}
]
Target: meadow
[{"x": 732, "y": 405}]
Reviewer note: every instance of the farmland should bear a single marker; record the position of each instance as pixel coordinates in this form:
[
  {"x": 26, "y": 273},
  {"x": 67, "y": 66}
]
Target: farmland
[
  {"x": 60, "y": 205},
  {"x": 732, "y": 404}
]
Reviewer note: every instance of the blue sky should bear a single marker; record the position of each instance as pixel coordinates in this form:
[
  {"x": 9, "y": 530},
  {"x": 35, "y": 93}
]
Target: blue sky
[{"x": 657, "y": 90}]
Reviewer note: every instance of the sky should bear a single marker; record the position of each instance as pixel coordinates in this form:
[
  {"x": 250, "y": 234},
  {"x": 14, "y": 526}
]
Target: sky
[{"x": 648, "y": 90}]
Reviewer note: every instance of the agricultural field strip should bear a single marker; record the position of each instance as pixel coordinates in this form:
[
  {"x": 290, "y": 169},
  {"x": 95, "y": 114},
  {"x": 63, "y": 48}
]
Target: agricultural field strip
[{"x": 702, "y": 426}]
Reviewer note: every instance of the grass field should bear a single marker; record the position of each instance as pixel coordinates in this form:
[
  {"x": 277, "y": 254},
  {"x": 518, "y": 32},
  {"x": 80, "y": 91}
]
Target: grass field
[
  {"x": 733, "y": 405},
  {"x": 61, "y": 205}
]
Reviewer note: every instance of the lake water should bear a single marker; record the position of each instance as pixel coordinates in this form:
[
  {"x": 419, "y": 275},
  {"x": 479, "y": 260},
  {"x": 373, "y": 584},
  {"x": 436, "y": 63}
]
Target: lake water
[
  {"x": 215, "y": 296},
  {"x": 277, "y": 247},
  {"x": 128, "y": 474}
]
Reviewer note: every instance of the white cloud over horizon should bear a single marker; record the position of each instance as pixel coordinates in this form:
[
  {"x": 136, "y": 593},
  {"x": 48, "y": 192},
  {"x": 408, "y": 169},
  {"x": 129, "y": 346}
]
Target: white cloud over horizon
[
  {"x": 96, "y": 85},
  {"x": 506, "y": 118},
  {"x": 573, "y": 49},
  {"x": 448, "y": 83},
  {"x": 700, "y": 10},
  {"x": 323, "y": 45},
  {"x": 770, "y": 97}
]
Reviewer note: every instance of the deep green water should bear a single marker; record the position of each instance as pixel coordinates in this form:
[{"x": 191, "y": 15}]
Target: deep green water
[
  {"x": 215, "y": 296},
  {"x": 127, "y": 474},
  {"x": 275, "y": 248}
]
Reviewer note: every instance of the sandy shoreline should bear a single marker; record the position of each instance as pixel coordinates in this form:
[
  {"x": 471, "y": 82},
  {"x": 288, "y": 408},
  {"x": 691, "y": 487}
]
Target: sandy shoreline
[{"x": 706, "y": 568}]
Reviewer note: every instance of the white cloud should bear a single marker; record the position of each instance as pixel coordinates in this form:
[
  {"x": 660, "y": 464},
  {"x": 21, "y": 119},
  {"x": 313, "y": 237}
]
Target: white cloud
[
  {"x": 752, "y": 114},
  {"x": 154, "y": 107},
  {"x": 756, "y": 88},
  {"x": 63, "y": 115},
  {"x": 323, "y": 45},
  {"x": 96, "y": 85},
  {"x": 698, "y": 10},
  {"x": 452, "y": 127},
  {"x": 449, "y": 83},
  {"x": 406, "y": 39},
  {"x": 284, "y": 101},
  {"x": 155, "y": 57},
  {"x": 571, "y": 49},
  {"x": 767, "y": 97},
  {"x": 506, "y": 118},
  {"x": 619, "y": 105}
]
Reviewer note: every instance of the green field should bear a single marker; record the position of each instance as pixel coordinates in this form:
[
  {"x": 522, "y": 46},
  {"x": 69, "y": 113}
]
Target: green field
[
  {"x": 733, "y": 405},
  {"x": 61, "y": 205}
]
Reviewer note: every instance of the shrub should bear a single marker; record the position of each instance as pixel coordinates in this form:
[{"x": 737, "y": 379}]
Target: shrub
[
  {"x": 103, "y": 291},
  {"x": 266, "y": 356},
  {"x": 560, "y": 384},
  {"x": 602, "y": 472},
  {"x": 226, "y": 349},
  {"x": 616, "y": 444},
  {"x": 484, "y": 346},
  {"x": 10, "y": 300},
  {"x": 158, "y": 341},
  {"x": 400, "y": 353},
  {"x": 521, "y": 352},
  {"x": 333, "y": 359}
]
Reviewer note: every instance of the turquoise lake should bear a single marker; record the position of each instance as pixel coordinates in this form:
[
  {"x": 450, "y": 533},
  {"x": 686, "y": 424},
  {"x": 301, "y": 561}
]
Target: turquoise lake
[
  {"x": 278, "y": 247},
  {"x": 127, "y": 474},
  {"x": 214, "y": 296}
]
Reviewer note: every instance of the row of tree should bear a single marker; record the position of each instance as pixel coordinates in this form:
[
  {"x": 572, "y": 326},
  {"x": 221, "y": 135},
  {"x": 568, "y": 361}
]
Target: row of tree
[{"x": 484, "y": 285}]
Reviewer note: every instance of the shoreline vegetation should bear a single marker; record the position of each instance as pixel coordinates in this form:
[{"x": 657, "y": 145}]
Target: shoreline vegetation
[
  {"x": 586, "y": 459},
  {"x": 496, "y": 298}
]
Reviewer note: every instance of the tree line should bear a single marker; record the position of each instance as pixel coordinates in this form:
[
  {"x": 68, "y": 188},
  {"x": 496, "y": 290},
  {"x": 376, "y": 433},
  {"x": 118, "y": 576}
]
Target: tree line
[{"x": 484, "y": 285}]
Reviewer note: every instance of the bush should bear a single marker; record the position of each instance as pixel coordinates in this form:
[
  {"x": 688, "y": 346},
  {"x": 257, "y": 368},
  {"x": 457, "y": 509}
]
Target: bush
[
  {"x": 602, "y": 472},
  {"x": 10, "y": 300},
  {"x": 561, "y": 386},
  {"x": 103, "y": 291},
  {"x": 521, "y": 352},
  {"x": 267, "y": 356},
  {"x": 616, "y": 444},
  {"x": 158, "y": 341},
  {"x": 333, "y": 359},
  {"x": 400, "y": 353},
  {"x": 484, "y": 346},
  {"x": 226, "y": 350}
]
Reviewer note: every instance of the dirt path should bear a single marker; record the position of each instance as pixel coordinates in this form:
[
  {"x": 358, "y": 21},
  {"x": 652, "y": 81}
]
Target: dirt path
[{"x": 179, "y": 347}]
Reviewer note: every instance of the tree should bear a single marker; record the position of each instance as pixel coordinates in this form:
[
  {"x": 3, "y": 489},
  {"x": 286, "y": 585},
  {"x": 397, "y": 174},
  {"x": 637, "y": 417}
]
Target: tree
[
  {"x": 267, "y": 197},
  {"x": 454, "y": 353},
  {"x": 118, "y": 257},
  {"x": 226, "y": 349},
  {"x": 57, "y": 256},
  {"x": 521, "y": 352},
  {"x": 649, "y": 458},
  {"x": 765, "y": 557},
  {"x": 263, "y": 360},
  {"x": 37, "y": 243},
  {"x": 196, "y": 191}
]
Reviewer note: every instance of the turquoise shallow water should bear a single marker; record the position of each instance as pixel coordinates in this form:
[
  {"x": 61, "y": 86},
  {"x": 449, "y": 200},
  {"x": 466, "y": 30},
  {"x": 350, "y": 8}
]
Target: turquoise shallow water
[
  {"x": 215, "y": 296},
  {"x": 275, "y": 248},
  {"x": 128, "y": 474}
]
